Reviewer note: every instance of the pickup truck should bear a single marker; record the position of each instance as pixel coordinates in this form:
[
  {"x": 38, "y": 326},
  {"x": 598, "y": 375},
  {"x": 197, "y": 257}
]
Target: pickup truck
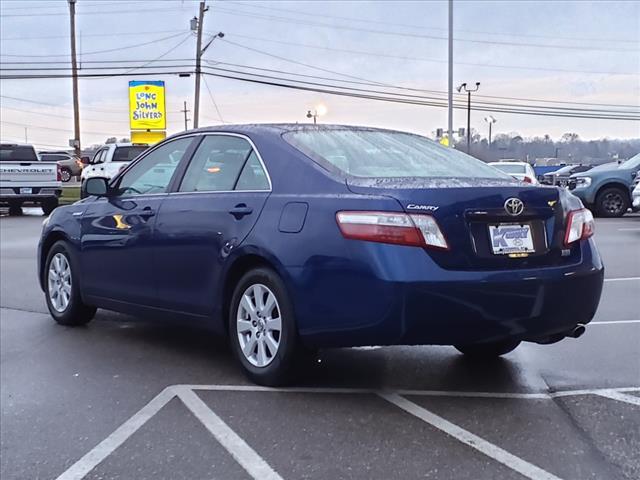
[
  {"x": 111, "y": 158},
  {"x": 24, "y": 179},
  {"x": 606, "y": 189}
]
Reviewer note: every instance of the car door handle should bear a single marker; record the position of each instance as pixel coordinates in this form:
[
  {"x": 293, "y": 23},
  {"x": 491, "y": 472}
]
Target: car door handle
[
  {"x": 147, "y": 212},
  {"x": 240, "y": 211}
]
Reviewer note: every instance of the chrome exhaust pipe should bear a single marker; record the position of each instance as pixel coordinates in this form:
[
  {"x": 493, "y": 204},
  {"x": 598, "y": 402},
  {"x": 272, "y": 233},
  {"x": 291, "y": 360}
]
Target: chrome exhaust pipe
[{"x": 577, "y": 331}]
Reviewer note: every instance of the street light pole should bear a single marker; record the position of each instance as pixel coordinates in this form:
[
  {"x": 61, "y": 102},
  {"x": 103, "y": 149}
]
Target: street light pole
[
  {"x": 490, "y": 120},
  {"x": 74, "y": 75},
  {"x": 469, "y": 91}
]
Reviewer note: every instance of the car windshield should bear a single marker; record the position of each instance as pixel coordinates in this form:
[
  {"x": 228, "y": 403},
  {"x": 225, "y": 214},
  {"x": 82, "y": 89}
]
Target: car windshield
[
  {"x": 510, "y": 167},
  {"x": 633, "y": 162},
  {"x": 386, "y": 154},
  {"x": 126, "y": 154},
  {"x": 17, "y": 153}
]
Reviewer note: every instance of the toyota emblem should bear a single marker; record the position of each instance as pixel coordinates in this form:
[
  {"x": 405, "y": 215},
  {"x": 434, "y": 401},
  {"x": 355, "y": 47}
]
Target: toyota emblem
[{"x": 514, "y": 206}]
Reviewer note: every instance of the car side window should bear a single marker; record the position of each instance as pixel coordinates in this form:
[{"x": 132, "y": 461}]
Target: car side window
[
  {"x": 153, "y": 173},
  {"x": 218, "y": 164},
  {"x": 253, "y": 176}
]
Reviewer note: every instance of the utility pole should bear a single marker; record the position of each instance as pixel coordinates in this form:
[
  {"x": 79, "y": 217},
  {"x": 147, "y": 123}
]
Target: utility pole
[
  {"x": 185, "y": 111},
  {"x": 196, "y": 103},
  {"x": 450, "y": 107},
  {"x": 469, "y": 91},
  {"x": 26, "y": 137},
  {"x": 74, "y": 69}
]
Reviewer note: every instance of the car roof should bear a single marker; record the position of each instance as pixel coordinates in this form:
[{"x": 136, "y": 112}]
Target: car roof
[
  {"x": 279, "y": 128},
  {"x": 508, "y": 163}
]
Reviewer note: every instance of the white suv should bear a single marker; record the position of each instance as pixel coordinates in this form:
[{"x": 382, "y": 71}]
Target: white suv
[
  {"x": 111, "y": 158},
  {"x": 520, "y": 170}
]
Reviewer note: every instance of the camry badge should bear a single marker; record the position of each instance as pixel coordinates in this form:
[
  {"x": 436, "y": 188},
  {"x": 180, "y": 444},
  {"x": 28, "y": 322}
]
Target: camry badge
[{"x": 514, "y": 206}]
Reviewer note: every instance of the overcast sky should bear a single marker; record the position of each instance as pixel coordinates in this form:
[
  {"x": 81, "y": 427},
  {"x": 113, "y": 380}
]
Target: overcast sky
[{"x": 575, "y": 51}]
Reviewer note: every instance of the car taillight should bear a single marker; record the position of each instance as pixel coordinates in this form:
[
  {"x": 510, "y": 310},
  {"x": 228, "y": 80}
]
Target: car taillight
[
  {"x": 527, "y": 180},
  {"x": 389, "y": 227},
  {"x": 58, "y": 173},
  {"x": 580, "y": 226},
  {"x": 79, "y": 164}
]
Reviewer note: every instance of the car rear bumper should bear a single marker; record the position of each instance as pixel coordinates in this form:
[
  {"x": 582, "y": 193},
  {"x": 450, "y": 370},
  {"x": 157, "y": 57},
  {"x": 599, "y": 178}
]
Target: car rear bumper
[{"x": 540, "y": 305}]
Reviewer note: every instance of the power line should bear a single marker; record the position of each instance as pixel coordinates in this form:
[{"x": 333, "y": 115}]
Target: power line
[
  {"x": 297, "y": 21},
  {"x": 430, "y": 60},
  {"x": 47, "y": 114},
  {"x": 49, "y": 128},
  {"x": 126, "y": 47},
  {"x": 111, "y": 34},
  {"x": 105, "y": 12},
  {"x": 422, "y": 27},
  {"x": 213, "y": 100},
  {"x": 488, "y": 106}
]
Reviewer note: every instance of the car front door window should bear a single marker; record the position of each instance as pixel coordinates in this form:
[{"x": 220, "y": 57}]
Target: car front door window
[{"x": 153, "y": 173}]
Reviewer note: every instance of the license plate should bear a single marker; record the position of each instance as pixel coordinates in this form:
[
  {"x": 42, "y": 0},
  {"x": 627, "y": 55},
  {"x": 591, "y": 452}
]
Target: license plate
[
  {"x": 508, "y": 238},
  {"x": 26, "y": 190}
]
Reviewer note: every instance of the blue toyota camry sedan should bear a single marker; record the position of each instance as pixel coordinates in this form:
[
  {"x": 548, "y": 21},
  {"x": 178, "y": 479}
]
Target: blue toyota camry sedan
[{"x": 292, "y": 238}]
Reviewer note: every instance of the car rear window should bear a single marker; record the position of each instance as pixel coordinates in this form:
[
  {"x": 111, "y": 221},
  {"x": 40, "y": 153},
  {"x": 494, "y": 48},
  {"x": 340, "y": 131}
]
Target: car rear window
[
  {"x": 510, "y": 167},
  {"x": 17, "y": 153},
  {"x": 386, "y": 154},
  {"x": 126, "y": 154}
]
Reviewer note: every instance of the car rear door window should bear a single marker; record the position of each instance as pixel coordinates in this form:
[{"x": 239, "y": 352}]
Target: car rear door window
[
  {"x": 224, "y": 163},
  {"x": 153, "y": 173}
]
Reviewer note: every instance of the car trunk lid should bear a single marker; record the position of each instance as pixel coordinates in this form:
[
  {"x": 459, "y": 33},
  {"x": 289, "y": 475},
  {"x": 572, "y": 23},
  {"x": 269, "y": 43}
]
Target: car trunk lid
[{"x": 472, "y": 215}]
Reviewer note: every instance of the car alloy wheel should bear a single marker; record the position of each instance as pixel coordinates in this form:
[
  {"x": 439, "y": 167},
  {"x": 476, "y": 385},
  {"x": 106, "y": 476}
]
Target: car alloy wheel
[
  {"x": 613, "y": 203},
  {"x": 59, "y": 282},
  {"x": 259, "y": 325},
  {"x": 65, "y": 175}
]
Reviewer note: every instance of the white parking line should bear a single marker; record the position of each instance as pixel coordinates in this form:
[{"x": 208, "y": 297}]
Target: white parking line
[
  {"x": 253, "y": 463},
  {"x": 629, "y": 229},
  {"x": 258, "y": 468},
  {"x": 614, "y": 322},
  {"x": 105, "y": 448},
  {"x": 493, "y": 451},
  {"x": 621, "y": 397},
  {"x": 621, "y": 279}
]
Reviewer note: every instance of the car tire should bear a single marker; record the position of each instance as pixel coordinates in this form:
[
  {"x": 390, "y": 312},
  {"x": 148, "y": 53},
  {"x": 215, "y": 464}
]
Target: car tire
[
  {"x": 49, "y": 205},
  {"x": 488, "y": 350},
  {"x": 62, "y": 289},
  {"x": 612, "y": 202},
  {"x": 15, "y": 208},
  {"x": 272, "y": 357},
  {"x": 65, "y": 174}
]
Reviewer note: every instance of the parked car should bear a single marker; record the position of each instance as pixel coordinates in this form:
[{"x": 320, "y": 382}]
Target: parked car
[
  {"x": 606, "y": 189},
  {"x": 25, "y": 179},
  {"x": 561, "y": 176},
  {"x": 635, "y": 193},
  {"x": 70, "y": 166},
  {"x": 291, "y": 238},
  {"x": 520, "y": 170},
  {"x": 111, "y": 158}
]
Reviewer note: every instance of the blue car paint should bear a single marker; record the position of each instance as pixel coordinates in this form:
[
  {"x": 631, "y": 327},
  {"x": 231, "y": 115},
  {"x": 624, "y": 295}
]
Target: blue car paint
[{"x": 344, "y": 292}]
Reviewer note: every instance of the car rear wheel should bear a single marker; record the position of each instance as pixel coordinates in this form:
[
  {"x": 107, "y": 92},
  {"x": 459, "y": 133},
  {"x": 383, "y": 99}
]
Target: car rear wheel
[
  {"x": 488, "y": 350},
  {"x": 65, "y": 174},
  {"x": 62, "y": 290},
  {"x": 612, "y": 202},
  {"x": 262, "y": 328},
  {"x": 49, "y": 205}
]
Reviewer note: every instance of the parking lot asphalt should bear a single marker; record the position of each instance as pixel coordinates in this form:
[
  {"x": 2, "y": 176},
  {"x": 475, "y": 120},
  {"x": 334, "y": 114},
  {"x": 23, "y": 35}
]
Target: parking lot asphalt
[{"x": 126, "y": 399}]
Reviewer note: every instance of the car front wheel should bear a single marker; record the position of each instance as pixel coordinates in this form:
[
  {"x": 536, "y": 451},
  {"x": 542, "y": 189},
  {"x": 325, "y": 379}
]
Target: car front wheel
[
  {"x": 488, "y": 350},
  {"x": 65, "y": 174},
  {"x": 612, "y": 202},
  {"x": 62, "y": 290},
  {"x": 262, "y": 328}
]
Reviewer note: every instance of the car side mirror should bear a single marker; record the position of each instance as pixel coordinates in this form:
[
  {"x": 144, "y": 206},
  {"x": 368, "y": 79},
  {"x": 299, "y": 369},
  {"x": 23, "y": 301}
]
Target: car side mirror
[
  {"x": 85, "y": 160},
  {"x": 97, "y": 186}
]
